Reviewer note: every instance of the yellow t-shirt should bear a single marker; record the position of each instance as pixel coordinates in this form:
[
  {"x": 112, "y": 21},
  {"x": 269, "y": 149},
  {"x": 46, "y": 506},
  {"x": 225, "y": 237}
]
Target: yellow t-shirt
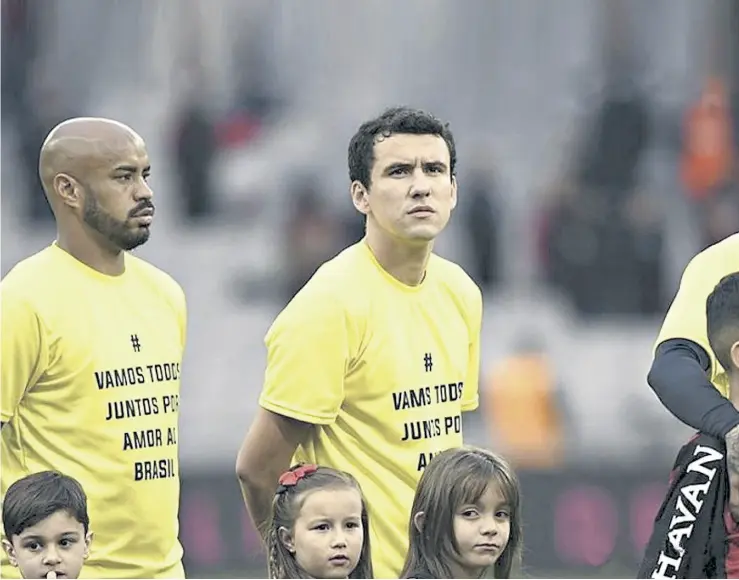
[
  {"x": 686, "y": 317},
  {"x": 90, "y": 387},
  {"x": 383, "y": 371}
]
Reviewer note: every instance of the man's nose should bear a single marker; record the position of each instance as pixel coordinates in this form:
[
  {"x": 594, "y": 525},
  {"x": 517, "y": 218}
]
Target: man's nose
[
  {"x": 421, "y": 184},
  {"x": 143, "y": 191}
]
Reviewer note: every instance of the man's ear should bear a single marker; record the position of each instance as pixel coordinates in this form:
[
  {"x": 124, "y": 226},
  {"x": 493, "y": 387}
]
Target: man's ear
[
  {"x": 286, "y": 538},
  {"x": 68, "y": 189},
  {"x": 10, "y": 551},
  {"x": 360, "y": 196},
  {"x": 734, "y": 353},
  {"x": 454, "y": 191},
  {"x": 418, "y": 520}
]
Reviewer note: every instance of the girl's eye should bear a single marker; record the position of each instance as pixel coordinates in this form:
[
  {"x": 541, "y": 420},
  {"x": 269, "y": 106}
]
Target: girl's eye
[
  {"x": 469, "y": 513},
  {"x": 352, "y": 525},
  {"x": 502, "y": 514}
]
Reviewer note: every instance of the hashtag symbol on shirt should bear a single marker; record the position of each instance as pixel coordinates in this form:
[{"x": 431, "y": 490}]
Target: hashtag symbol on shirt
[
  {"x": 135, "y": 343},
  {"x": 427, "y": 362}
]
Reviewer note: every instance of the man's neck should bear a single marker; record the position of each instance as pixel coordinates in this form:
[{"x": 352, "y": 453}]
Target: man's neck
[
  {"x": 403, "y": 261},
  {"x": 93, "y": 253}
]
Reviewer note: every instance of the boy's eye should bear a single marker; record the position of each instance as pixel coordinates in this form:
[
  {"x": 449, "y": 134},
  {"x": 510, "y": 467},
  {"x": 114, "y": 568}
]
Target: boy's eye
[
  {"x": 321, "y": 527},
  {"x": 352, "y": 525},
  {"x": 33, "y": 546},
  {"x": 66, "y": 542}
]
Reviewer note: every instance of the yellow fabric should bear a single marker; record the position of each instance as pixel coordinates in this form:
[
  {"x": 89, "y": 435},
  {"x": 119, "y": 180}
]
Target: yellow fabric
[
  {"x": 70, "y": 368},
  {"x": 686, "y": 317},
  {"x": 348, "y": 354}
]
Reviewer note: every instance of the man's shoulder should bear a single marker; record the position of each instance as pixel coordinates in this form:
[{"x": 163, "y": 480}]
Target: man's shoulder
[
  {"x": 338, "y": 278},
  {"x": 32, "y": 268},
  {"x": 152, "y": 275},
  {"x": 29, "y": 279},
  {"x": 729, "y": 244},
  {"x": 723, "y": 254},
  {"x": 334, "y": 291},
  {"x": 453, "y": 276}
]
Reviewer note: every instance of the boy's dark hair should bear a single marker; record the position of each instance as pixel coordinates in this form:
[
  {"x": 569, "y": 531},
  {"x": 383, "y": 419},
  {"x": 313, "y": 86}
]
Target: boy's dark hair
[
  {"x": 722, "y": 319},
  {"x": 396, "y": 120},
  {"x": 40, "y": 495}
]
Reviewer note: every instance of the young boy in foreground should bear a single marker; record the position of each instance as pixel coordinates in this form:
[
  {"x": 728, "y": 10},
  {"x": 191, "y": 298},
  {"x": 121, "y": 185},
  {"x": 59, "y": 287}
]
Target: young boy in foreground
[{"x": 46, "y": 526}]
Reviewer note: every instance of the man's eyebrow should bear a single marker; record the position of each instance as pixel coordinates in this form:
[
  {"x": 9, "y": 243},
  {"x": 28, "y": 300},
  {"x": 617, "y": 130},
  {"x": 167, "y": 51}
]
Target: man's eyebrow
[
  {"x": 132, "y": 168},
  {"x": 398, "y": 165}
]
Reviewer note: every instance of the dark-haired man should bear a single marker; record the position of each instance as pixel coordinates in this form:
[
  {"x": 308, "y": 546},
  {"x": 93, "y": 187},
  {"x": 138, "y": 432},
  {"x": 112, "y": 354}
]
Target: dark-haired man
[{"x": 371, "y": 365}]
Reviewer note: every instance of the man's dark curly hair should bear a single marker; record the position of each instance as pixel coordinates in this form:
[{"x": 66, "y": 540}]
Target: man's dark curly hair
[{"x": 396, "y": 120}]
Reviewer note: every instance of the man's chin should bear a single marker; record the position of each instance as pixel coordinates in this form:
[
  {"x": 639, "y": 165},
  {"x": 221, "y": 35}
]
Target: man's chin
[
  {"x": 133, "y": 243},
  {"x": 424, "y": 234}
]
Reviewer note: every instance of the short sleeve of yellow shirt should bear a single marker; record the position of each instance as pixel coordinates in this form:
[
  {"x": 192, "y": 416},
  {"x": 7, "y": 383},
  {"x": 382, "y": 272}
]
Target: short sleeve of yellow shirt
[
  {"x": 686, "y": 317},
  {"x": 25, "y": 351},
  {"x": 308, "y": 346}
]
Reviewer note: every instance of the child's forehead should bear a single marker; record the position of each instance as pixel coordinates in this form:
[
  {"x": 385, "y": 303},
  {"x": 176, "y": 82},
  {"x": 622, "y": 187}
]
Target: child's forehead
[
  {"x": 58, "y": 523},
  {"x": 491, "y": 495},
  {"x": 334, "y": 500}
]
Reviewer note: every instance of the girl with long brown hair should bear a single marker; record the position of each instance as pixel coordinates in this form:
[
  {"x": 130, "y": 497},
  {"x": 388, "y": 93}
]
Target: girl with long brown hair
[{"x": 466, "y": 518}]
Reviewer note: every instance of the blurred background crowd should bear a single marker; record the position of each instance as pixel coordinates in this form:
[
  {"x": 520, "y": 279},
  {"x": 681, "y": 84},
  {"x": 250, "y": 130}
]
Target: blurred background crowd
[{"x": 597, "y": 147}]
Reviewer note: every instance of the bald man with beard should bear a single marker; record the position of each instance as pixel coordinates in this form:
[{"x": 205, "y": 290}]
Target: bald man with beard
[{"x": 92, "y": 342}]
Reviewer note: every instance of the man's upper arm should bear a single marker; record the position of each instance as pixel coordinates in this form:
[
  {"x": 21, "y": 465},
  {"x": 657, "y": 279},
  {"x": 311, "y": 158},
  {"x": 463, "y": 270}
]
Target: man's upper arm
[
  {"x": 308, "y": 354},
  {"x": 23, "y": 351},
  {"x": 470, "y": 396},
  {"x": 686, "y": 317},
  {"x": 271, "y": 441}
]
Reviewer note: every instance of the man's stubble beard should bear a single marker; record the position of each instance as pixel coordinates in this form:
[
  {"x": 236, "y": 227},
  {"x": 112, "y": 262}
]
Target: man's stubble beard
[{"x": 115, "y": 231}]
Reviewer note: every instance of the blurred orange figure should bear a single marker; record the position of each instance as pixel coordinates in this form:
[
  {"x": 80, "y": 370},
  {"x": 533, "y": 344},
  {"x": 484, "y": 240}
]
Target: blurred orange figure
[
  {"x": 522, "y": 409},
  {"x": 708, "y": 145}
]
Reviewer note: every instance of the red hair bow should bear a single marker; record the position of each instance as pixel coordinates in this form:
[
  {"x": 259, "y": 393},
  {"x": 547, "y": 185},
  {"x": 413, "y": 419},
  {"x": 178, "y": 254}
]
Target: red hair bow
[{"x": 290, "y": 478}]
